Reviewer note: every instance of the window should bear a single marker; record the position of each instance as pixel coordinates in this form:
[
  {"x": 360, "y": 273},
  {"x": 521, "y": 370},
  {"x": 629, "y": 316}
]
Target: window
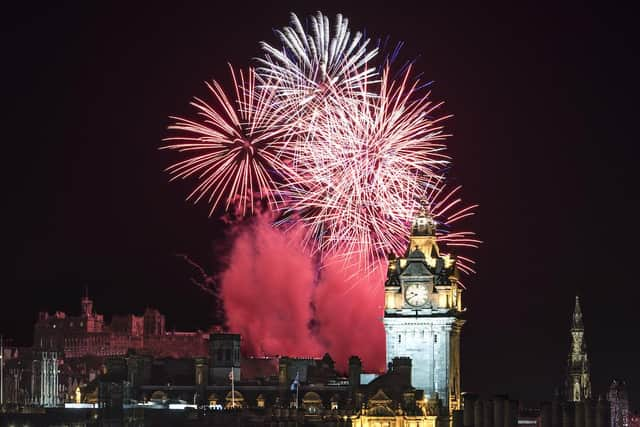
[
  {"x": 227, "y": 354},
  {"x": 219, "y": 354}
]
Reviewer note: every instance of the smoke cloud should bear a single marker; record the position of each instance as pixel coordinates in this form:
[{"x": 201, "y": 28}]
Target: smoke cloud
[{"x": 283, "y": 303}]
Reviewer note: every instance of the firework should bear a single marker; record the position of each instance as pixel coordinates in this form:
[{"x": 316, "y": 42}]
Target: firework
[
  {"x": 333, "y": 144},
  {"x": 364, "y": 167},
  {"x": 309, "y": 67},
  {"x": 447, "y": 209},
  {"x": 234, "y": 148}
]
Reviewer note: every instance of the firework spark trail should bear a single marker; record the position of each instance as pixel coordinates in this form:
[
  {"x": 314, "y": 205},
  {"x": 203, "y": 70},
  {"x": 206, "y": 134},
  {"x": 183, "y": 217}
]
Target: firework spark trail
[
  {"x": 346, "y": 154},
  {"x": 234, "y": 148},
  {"x": 313, "y": 66},
  {"x": 446, "y": 208},
  {"x": 365, "y": 166},
  {"x": 332, "y": 144}
]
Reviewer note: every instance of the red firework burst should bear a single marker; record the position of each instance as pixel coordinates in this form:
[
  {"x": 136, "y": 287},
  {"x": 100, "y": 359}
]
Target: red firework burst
[
  {"x": 364, "y": 166},
  {"x": 233, "y": 148},
  {"x": 447, "y": 209}
]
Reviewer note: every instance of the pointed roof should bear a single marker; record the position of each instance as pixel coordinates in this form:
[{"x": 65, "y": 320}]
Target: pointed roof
[
  {"x": 416, "y": 254},
  {"x": 380, "y": 398},
  {"x": 576, "y": 321},
  {"x": 416, "y": 267}
]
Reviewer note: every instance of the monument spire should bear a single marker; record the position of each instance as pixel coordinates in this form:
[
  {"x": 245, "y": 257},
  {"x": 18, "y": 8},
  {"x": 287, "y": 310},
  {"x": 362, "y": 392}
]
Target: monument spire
[
  {"x": 578, "y": 381},
  {"x": 577, "y": 316}
]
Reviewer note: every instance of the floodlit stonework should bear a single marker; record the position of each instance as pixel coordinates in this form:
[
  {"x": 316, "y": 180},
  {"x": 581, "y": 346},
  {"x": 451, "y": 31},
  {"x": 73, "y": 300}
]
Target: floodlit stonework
[
  {"x": 422, "y": 314},
  {"x": 578, "y": 383}
]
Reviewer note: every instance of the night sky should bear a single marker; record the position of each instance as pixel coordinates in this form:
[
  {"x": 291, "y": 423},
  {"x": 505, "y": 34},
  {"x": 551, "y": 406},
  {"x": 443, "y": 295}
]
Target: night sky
[{"x": 545, "y": 104}]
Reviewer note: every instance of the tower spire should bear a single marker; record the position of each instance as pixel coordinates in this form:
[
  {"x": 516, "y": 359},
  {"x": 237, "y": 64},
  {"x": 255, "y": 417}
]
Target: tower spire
[
  {"x": 85, "y": 303},
  {"x": 578, "y": 381},
  {"x": 577, "y": 316}
]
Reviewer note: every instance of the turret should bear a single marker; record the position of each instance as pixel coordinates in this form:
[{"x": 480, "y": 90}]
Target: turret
[
  {"x": 86, "y": 305},
  {"x": 423, "y": 224}
]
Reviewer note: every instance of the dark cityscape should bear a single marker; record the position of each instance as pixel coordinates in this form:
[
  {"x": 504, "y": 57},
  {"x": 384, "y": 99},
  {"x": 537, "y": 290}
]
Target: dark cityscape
[{"x": 480, "y": 156}]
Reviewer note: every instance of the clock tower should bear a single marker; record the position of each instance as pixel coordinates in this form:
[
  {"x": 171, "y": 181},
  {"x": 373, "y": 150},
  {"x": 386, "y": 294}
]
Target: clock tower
[{"x": 422, "y": 314}]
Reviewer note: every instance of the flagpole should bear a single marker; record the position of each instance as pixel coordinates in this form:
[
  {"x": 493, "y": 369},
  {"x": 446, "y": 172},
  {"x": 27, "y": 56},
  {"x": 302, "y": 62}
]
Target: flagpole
[
  {"x": 297, "y": 389},
  {"x": 233, "y": 393}
]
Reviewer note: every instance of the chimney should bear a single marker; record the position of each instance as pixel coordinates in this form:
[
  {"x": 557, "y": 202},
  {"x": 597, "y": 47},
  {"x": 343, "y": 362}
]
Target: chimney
[
  {"x": 402, "y": 367},
  {"x": 355, "y": 369}
]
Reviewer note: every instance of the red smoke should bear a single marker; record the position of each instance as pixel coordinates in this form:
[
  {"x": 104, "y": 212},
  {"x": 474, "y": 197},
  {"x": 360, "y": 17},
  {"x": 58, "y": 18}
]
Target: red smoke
[
  {"x": 283, "y": 304},
  {"x": 349, "y": 306}
]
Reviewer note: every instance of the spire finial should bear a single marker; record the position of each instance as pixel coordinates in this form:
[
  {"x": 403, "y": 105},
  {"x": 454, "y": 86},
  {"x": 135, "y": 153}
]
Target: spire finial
[
  {"x": 577, "y": 315},
  {"x": 423, "y": 223}
]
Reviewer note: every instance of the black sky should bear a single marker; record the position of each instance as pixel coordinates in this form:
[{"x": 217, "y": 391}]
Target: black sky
[{"x": 545, "y": 100}]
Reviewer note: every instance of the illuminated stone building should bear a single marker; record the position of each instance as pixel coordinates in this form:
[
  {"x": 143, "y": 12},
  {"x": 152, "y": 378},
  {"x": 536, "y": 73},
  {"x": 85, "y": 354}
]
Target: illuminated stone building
[
  {"x": 44, "y": 379},
  {"x": 574, "y": 404},
  {"x": 578, "y": 381},
  {"x": 619, "y": 402},
  {"x": 89, "y": 335},
  {"x": 224, "y": 356},
  {"x": 69, "y": 352},
  {"x": 14, "y": 384},
  {"x": 323, "y": 397},
  {"x": 422, "y": 314}
]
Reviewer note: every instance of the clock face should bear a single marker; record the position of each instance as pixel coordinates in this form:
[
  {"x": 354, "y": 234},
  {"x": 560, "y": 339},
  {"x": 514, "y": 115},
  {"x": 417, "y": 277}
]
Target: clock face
[{"x": 416, "y": 295}]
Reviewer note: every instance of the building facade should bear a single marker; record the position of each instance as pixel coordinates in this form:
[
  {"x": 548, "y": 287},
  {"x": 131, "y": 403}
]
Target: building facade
[
  {"x": 422, "y": 316},
  {"x": 224, "y": 356},
  {"x": 45, "y": 387},
  {"x": 89, "y": 335},
  {"x": 619, "y": 402},
  {"x": 70, "y": 352}
]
